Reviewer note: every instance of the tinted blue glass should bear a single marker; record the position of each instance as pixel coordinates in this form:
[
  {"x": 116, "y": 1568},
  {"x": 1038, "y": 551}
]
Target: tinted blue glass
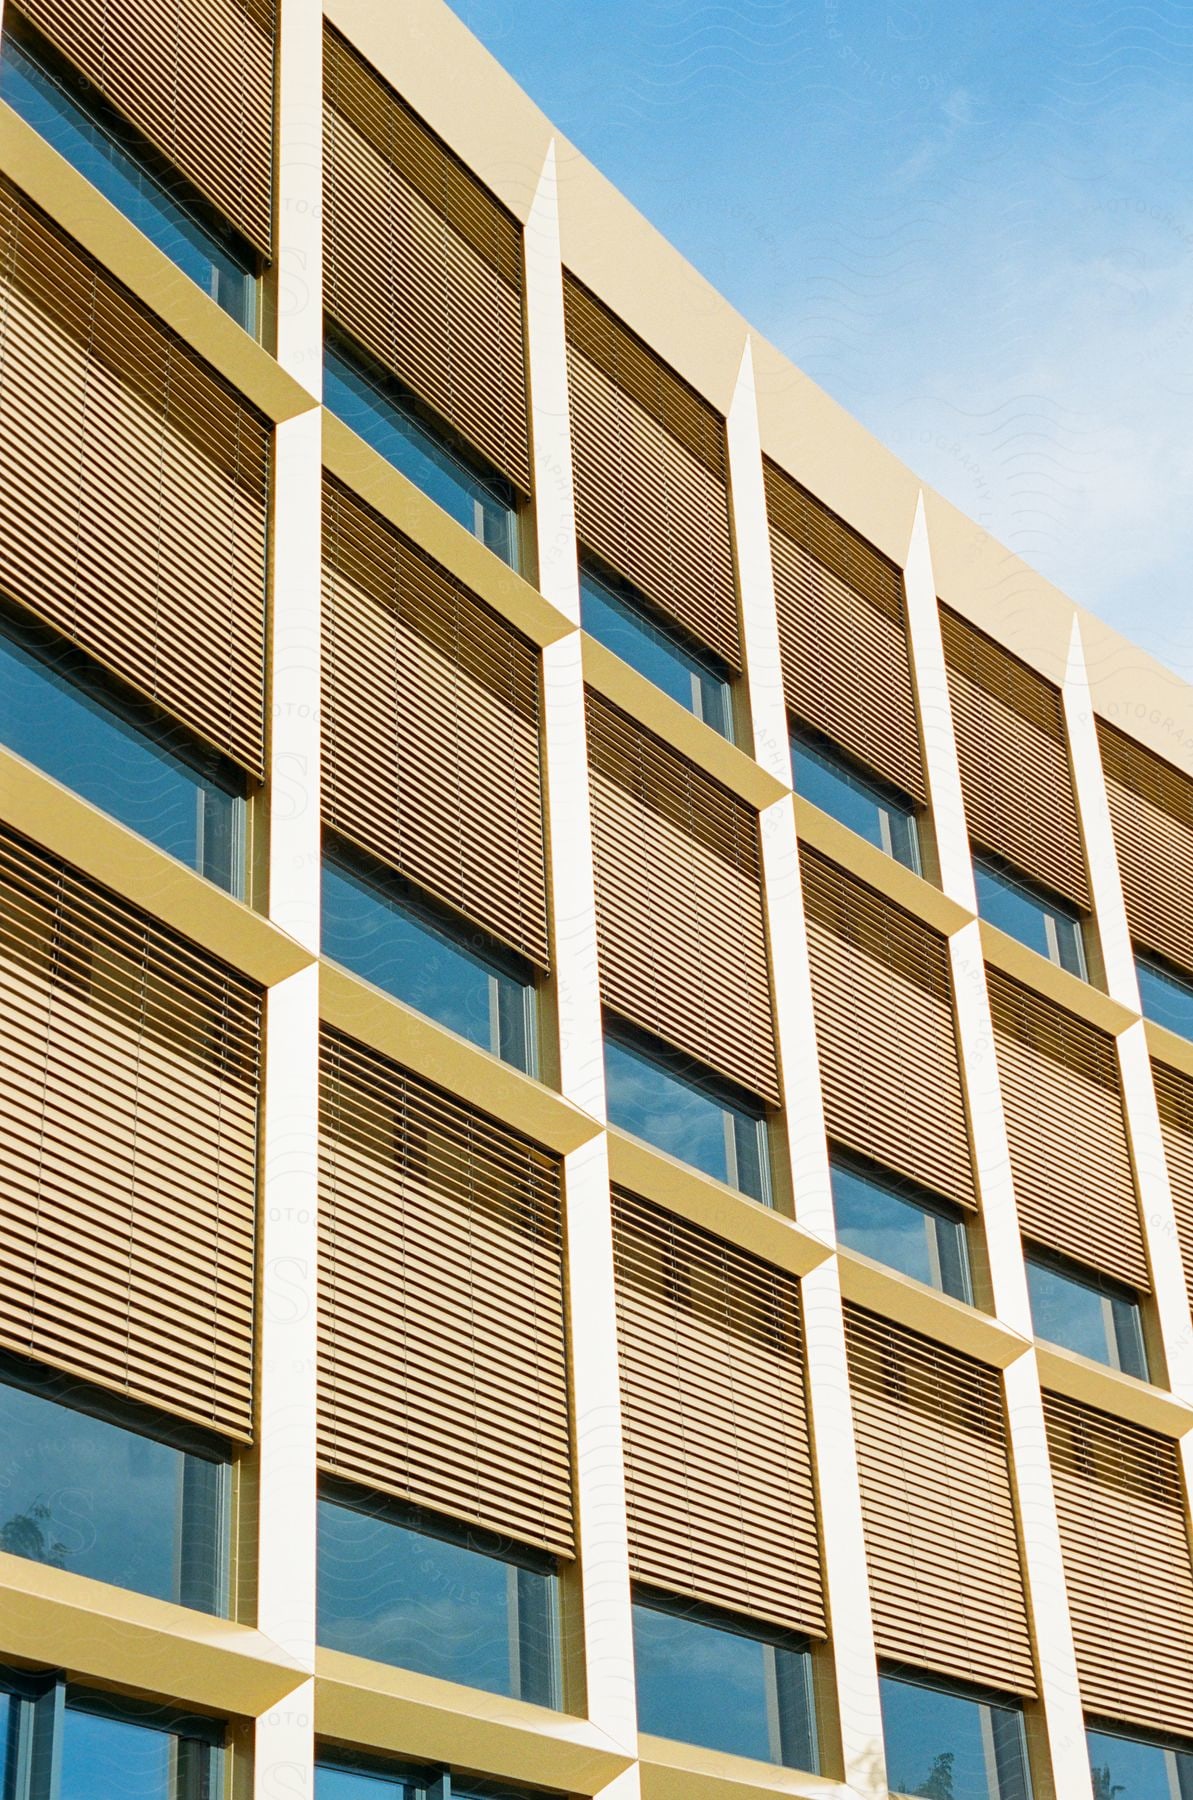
[
  {"x": 356, "y": 1784},
  {"x": 442, "y": 1608},
  {"x": 894, "y": 1230},
  {"x": 55, "y": 104},
  {"x": 1124, "y": 1768},
  {"x": 82, "y": 1494},
  {"x": 703, "y": 1684},
  {"x": 373, "y": 407},
  {"x": 656, "y": 1102},
  {"x": 1165, "y": 997},
  {"x": 410, "y": 955},
  {"x": 947, "y": 1746},
  {"x": 76, "y": 737},
  {"x": 832, "y": 784},
  {"x": 631, "y": 634},
  {"x": 1094, "y": 1321},
  {"x": 1023, "y": 913}
]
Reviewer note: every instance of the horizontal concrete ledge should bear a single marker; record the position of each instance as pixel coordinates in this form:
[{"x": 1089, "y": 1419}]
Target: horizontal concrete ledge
[
  {"x": 1043, "y": 977},
  {"x": 648, "y": 705},
  {"x": 407, "y": 1037},
  {"x": 865, "y": 860},
  {"x": 401, "y": 504},
  {"x": 924, "y": 1309},
  {"x": 397, "y": 1712},
  {"x": 672, "y": 1771},
  {"x": 102, "y": 229},
  {"x": 1077, "y": 1378},
  {"x": 712, "y": 1206},
  {"x": 44, "y": 811},
  {"x": 150, "y": 1648}
]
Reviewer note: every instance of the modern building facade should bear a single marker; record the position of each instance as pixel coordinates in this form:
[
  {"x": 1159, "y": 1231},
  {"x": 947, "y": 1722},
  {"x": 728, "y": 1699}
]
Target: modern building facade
[{"x": 598, "y": 1029}]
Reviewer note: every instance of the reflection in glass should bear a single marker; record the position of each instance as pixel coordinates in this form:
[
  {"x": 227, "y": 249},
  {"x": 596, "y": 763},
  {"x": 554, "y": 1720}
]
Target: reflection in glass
[
  {"x": 951, "y": 1743},
  {"x": 63, "y": 108},
  {"x": 1165, "y": 996},
  {"x": 826, "y": 777},
  {"x": 336, "y": 1781},
  {"x": 1023, "y": 911},
  {"x": 662, "y": 1096},
  {"x": 892, "y": 1221},
  {"x": 84, "y": 1493},
  {"x": 405, "y": 1588},
  {"x": 120, "y": 1750},
  {"x": 1086, "y": 1312},
  {"x": 731, "y": 1685},
  {"x": 1131, "y": 1768},
  {"x": 376, "y": 406},
  {"x": 59, "y": 712},
  {"x": 623, "y": 622},
  {"x": 379, "y": 928}
]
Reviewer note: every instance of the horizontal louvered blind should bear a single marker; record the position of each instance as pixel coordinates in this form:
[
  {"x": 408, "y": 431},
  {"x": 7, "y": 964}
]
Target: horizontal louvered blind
[
  {"x": 129, "y": 1096},
  {"x": 679, "y": 902},
  {"x": 195, "y": 77},
  {"x": 884, "y": 1025},
  {"x": 133, "y": 491},
  {"x": 430, "y": 727},
  {"x": 652, "y": 494},
  {"x": 441, "y": 1341},
  {"x": 1120, "y": 1507},
  {"x": 1151, "y": 808},
  {"x": 424, "y": 266},
  {"x": 1068, "y": 1140},
  {"x": 718, "y": 1468},
  {"x": 1014, "y": 759},
  {"x": 942, "y": 1550},
  {"x": 843, "y": 635},
  {"x": 1174, "y": 1099}
]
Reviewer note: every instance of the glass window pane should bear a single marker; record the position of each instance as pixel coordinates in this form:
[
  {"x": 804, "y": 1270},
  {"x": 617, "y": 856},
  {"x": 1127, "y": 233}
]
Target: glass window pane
[
  {"x": 361, "y": 393},
  {"x": 1024, "y": 913},
  {"x": 58, "y": 720},
  {"x": 703, "y": 1683},
  {"x": 946, "y": 1745},
  {"x": 899, "y": 1229},
  {"x": 625, "y": 626},
  {"x": 1125, "y": 1768},
  {"x": 109, "y": 1757},
  {"x": 332, "y": 1783},
  {"x": 652, "y": 1099},
  {"x": 417, "y": 956},
  {"x": 833, "y": 784},
  {"x": 438, "y": 1605},
  {"x": 84, "y": 1494},
  {"x": 1165, "y": 997},
  {"x": 48, "y": 94},
  {"x": 1095, "y": 1318}
]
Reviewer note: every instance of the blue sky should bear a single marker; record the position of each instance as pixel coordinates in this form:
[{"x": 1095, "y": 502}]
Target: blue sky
[{"x": 972, "y": 224}]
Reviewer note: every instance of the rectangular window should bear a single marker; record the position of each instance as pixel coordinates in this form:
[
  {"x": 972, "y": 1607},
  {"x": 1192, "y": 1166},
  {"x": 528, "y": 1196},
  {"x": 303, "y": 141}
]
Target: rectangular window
[
  {"x": 949, "y": 1742},
  {"x": 1086, "y": 1312},
  {"x": 898, "y": 1224},
  {"x": 1138, "y": 1768},
  {"x": 662, "y": 1096},
  {"x": 64, "y": 715},
  {"x": 351, "y": 1775},
  {"x": 826, "y": 777},
  {"x": 1025, "y": 912},
  {"x": 78, "y": 1744},
  {"x": 377, "y": 926},
  {"x": 621, "y": 620},
  {"x": 732, "y": 1684},
  {"x": 64, "y": 108},
  {"x": 379, "y": 409},
  {"x": 407, "y": 1588},
  {"x": 1165, "y": 996},
  {"x": 115, "y": 1493}
]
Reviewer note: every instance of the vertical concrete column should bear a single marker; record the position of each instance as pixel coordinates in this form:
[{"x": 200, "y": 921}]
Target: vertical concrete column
[
  {"x": 284, "y": 1747},
  {"x": 604, "y": 1587},
  {"x": 850, "y": 1663},
  {"x": 1059, "y": 1743},
  {"x": 1139, "y": 1094}
]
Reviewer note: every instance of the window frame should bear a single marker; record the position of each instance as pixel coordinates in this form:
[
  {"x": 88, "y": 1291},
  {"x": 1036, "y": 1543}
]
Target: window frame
[
  {"x": 1160, "y": 969},
  {"x": 888, "y": 800},
  {"x": 1108, "y": 1292},
  {"x": 1181, "y": 1749},
  {"x": 933, "y": 1207},
  {"x": 757, "y": 1631},
  {"x": 1051, "y": 908},
  {"x": 701, "y": 665},
  {"x": 1019, "y": 1787}
]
